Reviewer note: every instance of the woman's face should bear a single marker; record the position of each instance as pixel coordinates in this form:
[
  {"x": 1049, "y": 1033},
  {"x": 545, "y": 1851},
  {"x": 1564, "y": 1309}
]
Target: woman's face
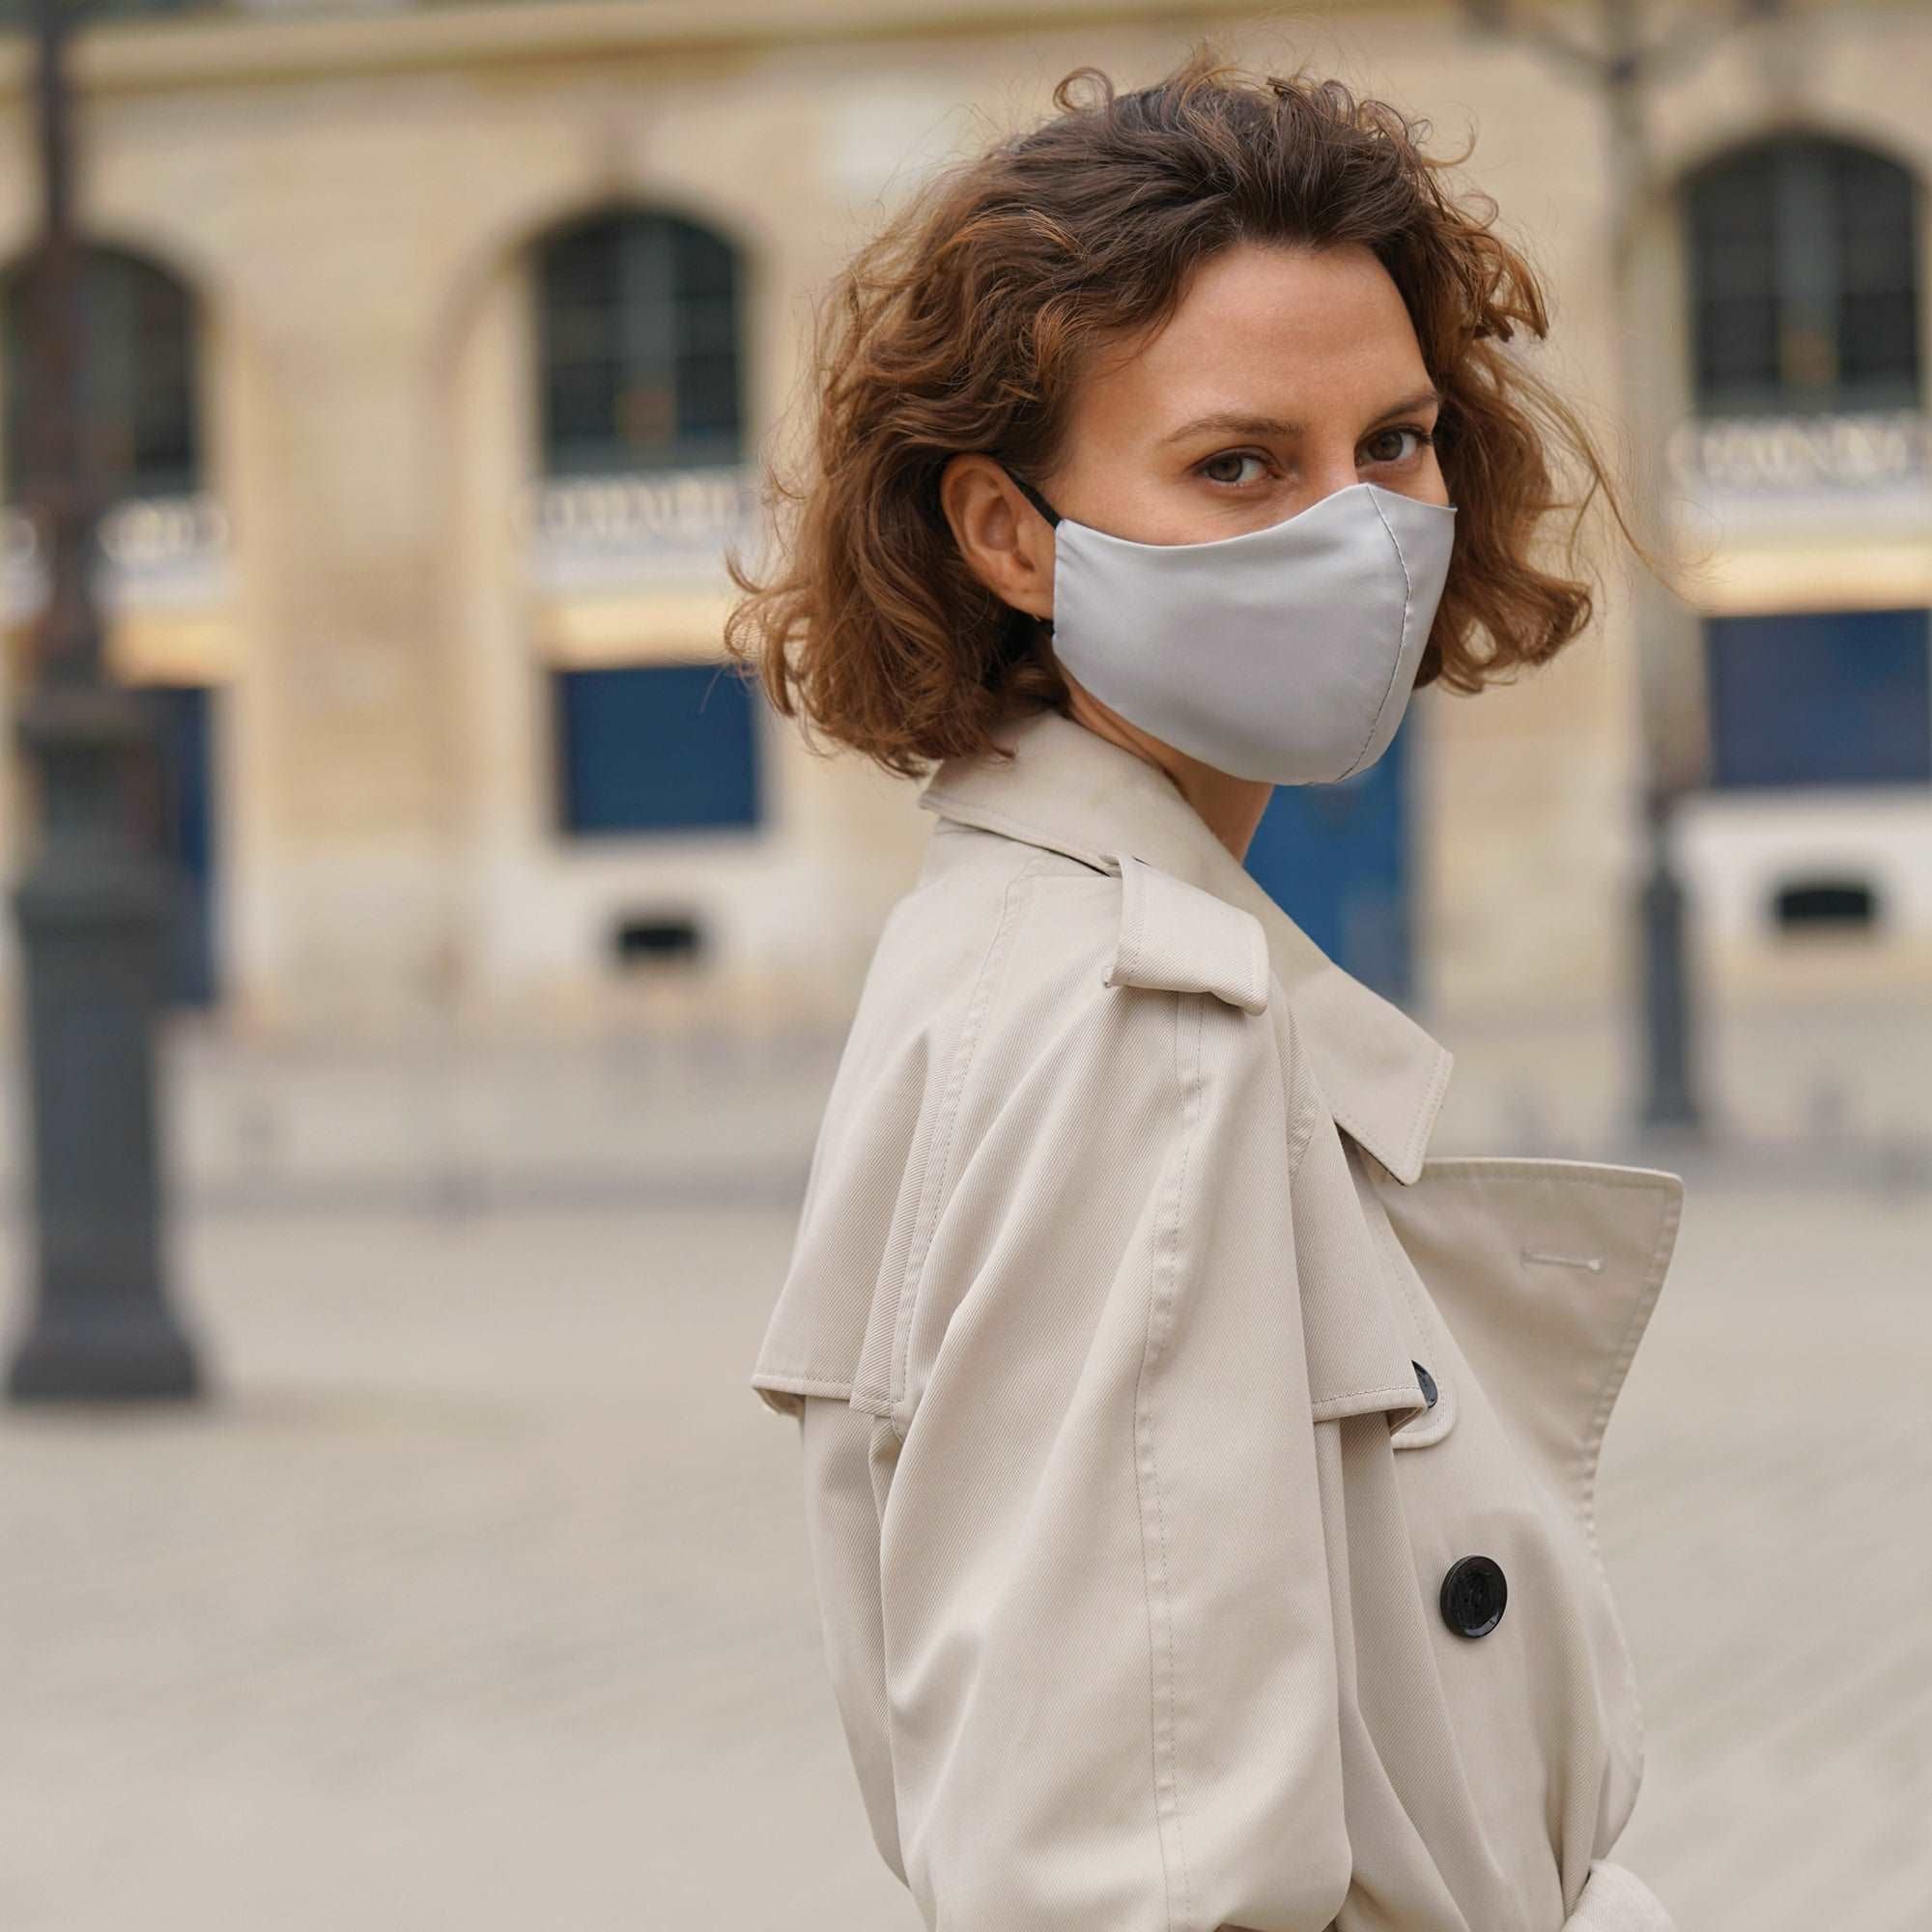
[{"x": 1286, "y": 374}]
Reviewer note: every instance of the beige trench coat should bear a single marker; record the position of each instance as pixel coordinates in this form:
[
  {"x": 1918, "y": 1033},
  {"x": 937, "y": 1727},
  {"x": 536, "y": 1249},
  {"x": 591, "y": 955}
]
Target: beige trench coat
[{"x": 1154, "y": 1591}]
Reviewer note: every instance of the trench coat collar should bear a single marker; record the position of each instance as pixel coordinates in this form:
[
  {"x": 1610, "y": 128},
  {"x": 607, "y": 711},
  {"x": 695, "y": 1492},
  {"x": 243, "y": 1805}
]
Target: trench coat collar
[{"x": 1073, "y": 791}]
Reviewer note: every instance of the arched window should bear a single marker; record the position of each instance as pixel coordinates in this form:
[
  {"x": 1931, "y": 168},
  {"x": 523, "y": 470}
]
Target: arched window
[
  {"x": 144, "y": 413},
  {"x": 1804, "y": 279},
  {"x": 639, "y": 335}
]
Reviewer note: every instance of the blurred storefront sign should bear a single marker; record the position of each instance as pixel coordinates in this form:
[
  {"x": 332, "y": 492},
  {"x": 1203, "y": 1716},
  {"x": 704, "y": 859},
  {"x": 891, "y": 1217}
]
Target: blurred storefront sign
[
  {"x": 1785, "y": 513},
  {"x": 165, "y": 584},
  {"x": 154, "y": 551},
  {"x": 594, "y": 534},
  {"x": 1861, "y": 464}
]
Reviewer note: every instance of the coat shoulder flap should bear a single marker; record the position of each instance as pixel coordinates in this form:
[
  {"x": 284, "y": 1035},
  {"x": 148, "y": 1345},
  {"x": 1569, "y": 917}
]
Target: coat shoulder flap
[{"x": 1174, "y": 935}]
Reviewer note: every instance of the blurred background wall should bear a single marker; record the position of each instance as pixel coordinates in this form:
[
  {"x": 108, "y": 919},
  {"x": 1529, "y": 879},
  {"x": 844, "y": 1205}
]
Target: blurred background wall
[{"x": 445, "y": 343}]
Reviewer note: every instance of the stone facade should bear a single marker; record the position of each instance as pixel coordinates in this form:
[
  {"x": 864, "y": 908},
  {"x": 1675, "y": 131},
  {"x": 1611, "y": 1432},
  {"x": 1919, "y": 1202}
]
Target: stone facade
[{"x": 352, "y": 199}]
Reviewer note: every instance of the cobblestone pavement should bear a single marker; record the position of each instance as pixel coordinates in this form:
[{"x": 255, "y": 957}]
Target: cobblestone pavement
[{"x": 478, "y": 1596}]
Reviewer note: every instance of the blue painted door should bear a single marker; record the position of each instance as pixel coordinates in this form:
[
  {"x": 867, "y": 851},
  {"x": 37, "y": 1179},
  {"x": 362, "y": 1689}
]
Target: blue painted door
[
  {"x": 1820, "y": 697},
  {"x": 656, "y": 748},
  {"x": 1335, "y": 859}
]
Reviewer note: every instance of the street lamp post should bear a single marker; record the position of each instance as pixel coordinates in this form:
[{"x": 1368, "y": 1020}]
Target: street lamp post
[
  {"x": 1620, "y": 68},
  {"x": 93, "y": 900}
]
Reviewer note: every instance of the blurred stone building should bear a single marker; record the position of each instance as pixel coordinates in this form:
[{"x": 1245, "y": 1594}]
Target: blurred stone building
[{"x": 439, "y": 345}]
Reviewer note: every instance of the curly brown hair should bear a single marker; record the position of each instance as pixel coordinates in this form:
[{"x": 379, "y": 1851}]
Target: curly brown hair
[{"x": 963, "y": 325}]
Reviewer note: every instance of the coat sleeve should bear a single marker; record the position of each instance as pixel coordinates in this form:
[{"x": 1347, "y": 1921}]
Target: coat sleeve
[
  {"x": 1089, "y": 1663},
  {"x": 841, "y": 1516}
]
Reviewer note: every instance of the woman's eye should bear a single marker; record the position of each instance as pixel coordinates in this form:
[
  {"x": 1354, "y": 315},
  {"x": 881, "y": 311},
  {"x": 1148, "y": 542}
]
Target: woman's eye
[
  {"x": 1423, "y": 437},
  {"x": 1234, "y": 456}
]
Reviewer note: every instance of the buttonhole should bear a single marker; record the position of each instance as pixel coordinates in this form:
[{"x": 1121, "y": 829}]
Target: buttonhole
[{"x": 1594, "y": 1262}]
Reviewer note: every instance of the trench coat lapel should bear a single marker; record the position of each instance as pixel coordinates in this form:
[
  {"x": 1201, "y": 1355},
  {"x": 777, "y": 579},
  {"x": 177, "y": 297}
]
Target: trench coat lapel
[{"x": 1073, "y": 791}]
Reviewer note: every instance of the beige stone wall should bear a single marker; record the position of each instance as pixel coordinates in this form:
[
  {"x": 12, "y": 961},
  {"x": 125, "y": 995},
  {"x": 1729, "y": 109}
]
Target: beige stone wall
[{"x": 354, "y": 198}]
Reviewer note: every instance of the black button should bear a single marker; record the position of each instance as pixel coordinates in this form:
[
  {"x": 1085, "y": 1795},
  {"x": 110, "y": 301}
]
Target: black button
[
  {"x": 1425, "y": 1381},
  {"x": 1473, "y": 1595}
]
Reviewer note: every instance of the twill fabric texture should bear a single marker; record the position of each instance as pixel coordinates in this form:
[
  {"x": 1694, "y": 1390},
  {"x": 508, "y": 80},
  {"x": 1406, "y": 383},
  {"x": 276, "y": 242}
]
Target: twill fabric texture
[{"x": 1172, "y": 1424}]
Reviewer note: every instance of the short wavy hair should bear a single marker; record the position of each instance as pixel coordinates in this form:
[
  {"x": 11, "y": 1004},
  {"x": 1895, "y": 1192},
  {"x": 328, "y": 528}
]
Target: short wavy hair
[{"x": 963, "y": 325}]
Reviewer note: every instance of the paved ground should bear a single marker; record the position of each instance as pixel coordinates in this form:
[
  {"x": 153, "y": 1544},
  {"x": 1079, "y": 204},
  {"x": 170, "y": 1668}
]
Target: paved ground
[{"x": 478, "y": 1596}]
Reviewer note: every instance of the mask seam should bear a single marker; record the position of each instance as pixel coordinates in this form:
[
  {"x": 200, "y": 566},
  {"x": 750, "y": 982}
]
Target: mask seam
[{"x": 1401, "y": 642}]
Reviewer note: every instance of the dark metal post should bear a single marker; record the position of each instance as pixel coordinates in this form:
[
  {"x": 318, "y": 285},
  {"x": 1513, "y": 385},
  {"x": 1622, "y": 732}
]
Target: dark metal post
[
  {"x": 1671, "y": 1098},
  {"x": 93, "y": 900}
]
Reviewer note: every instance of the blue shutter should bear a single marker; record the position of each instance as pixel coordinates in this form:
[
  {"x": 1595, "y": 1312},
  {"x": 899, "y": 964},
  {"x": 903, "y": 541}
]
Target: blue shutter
[
  {"x": 1819, "y": 699},
  {"x": 656, "y": 748}
]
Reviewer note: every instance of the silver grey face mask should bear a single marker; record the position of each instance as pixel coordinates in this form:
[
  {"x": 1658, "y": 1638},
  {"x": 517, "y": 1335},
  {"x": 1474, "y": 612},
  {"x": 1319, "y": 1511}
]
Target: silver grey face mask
[{"x": 1287, "y": 653}]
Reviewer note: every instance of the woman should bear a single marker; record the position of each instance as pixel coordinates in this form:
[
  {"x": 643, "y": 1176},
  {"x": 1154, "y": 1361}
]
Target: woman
[{"x": 1199, "y": 1478}]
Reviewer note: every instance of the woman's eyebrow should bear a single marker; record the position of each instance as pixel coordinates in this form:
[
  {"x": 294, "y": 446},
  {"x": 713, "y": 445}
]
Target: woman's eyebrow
[{"x": 1236, "y": 422}]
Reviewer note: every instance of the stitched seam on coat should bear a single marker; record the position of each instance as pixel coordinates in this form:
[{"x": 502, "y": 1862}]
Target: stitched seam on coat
[
  {"x": 897, "y": 1861},
  {"x": 1150, "y": 1351},
  {"x": 1419, "y": 1128},
  {"x": 991, "y": 818},
  {"x": 1301, "y": 1122},
  {"x": 1259, "y": 966},
  {"x": 1587, "y": 1460},
  {"x": 1299, "y": 1141},
  {"x": 1134, "y": 884},
  {"x": 934, "y": 1185},
  {"x": 1396, "y": 1262},
  {"x": 1407, "y": 1389},
  {"x": 1544, "y": 1167}
]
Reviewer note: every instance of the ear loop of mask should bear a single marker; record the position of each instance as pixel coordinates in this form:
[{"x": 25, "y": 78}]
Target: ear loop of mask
[
  {"x": 1047, "y": 511},
  {"x": 1033, "y": 497}
]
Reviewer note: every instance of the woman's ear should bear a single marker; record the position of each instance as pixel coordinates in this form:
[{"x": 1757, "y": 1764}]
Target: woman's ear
[{"x": 1005, "y": 542}]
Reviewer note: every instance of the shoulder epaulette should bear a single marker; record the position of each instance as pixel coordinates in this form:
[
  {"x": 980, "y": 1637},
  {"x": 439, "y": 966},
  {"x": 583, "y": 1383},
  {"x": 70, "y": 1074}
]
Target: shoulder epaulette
[{"x": 1176, "y": 936}]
